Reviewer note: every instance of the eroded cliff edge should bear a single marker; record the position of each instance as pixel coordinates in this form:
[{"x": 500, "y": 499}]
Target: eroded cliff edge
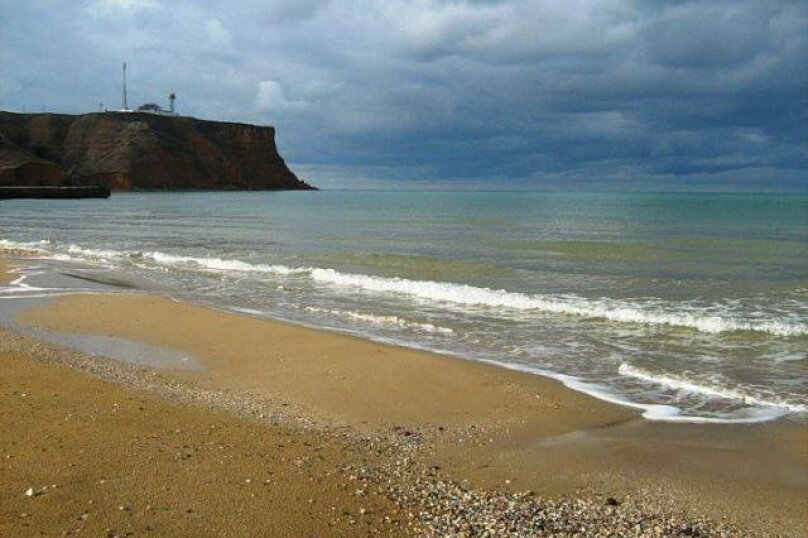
[{"x": 139, "y": 151}]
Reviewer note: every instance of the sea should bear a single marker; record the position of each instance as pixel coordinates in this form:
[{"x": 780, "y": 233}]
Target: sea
[{"x": 688, "y": 307}]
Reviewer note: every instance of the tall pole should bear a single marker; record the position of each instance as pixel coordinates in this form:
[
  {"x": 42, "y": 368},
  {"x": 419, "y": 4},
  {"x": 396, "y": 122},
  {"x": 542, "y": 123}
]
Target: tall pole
[{"x": 125, "y": 106}]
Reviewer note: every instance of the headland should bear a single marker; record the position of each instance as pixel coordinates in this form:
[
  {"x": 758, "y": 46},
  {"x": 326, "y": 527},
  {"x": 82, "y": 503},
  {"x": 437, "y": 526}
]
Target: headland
[{"x": 140, "y": 151}]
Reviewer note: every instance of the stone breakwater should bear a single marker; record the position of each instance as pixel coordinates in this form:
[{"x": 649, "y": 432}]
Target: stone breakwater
[
  {"x": 428, "y": 503},
  {"x": 54, "y": 192},
  {"x": 139, "y": 151}
]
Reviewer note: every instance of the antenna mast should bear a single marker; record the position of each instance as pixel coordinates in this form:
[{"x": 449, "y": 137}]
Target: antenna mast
[{"x": 125, "y": 106}]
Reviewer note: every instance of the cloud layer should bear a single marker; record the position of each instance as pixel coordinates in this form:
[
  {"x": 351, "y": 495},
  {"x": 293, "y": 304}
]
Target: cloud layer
[{"x": 496, "y": 93}]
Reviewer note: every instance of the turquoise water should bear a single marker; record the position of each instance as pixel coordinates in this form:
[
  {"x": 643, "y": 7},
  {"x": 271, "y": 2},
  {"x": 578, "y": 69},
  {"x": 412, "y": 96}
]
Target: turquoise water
[{"x": 691, "y": 306}]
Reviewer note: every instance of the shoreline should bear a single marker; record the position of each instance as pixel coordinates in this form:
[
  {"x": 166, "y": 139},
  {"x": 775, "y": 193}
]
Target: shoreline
[
  {"x": 322, "y": 369},
  {"x": 755, "y": 408},
  {"x": 495, "y": 428},
  {"x": 674, "y": 390}
]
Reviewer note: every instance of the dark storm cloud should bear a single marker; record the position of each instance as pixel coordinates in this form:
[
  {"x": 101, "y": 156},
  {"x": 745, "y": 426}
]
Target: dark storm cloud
[{"x": 515, "y": 94}]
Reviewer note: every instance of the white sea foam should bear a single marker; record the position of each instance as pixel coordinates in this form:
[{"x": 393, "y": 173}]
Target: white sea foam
[
  {"x": 610, "y": 309},
  {"x": 713, "y": 389},
  {"x": 37, "y": 247},
  {"x": 219, "y": 264},
  {"x": 165, "y": 259},
  {"x": 382, "y": 320},
  {"x": 18, "y": 288},
  {"x": 654, "y": 412},
  {"x": 616, "y": 310},
  {"x": 250, "y": 311},
  {"x": 95, "y": 253}
]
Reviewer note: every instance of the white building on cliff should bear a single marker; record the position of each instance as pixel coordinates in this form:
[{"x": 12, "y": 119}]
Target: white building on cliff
[{"x": 148, "y": 108}]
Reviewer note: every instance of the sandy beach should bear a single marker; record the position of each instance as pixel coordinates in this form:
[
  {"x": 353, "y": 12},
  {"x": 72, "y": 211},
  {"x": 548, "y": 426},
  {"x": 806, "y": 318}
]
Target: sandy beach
[
  {"x": 104, "y": 461},
  {"x": 440, "y": 269},
  {"x": 392, "y": 440},
  {"x": 5, "y": 277}
]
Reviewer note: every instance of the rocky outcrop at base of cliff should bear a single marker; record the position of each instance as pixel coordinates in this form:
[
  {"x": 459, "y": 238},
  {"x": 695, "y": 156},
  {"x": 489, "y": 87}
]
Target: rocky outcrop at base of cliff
[{"x": 140, "y": 151}]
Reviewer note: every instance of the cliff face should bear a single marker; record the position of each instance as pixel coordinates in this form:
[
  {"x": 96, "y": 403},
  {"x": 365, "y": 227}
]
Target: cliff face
[
  {"x": 137, "y": 151},
  {"x": 21, "y": 167}
]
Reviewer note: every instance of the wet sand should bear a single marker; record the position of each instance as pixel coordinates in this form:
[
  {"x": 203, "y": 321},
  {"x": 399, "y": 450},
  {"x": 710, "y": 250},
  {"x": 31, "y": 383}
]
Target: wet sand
[
  {"x": 500, "y": 430},
  {"x": 338, "y": 379},
  {"x": 755, "y": 475},
  {"x": 5, "y": 277}
]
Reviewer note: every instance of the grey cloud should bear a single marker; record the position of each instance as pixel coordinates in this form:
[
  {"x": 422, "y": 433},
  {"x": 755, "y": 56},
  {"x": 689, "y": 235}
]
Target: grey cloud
[{"x": 465, "y": 91}]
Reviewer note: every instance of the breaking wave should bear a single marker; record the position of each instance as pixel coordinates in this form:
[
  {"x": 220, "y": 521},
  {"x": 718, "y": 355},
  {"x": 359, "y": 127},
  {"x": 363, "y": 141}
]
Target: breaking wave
[
  {"x": 713, "y": 389},
  {"x": 37, "y": 247},
  {"x": 615, "y": 310},
  {"x": 218, "y": 264},
  {"x": 192, "y": 262},
  {"x": 609, "y": 309}
]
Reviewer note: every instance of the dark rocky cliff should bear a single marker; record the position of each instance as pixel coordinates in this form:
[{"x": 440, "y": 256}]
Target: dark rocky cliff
[
  {"x": 137, "y": 151},
  {"x": 21, "y": 167}
]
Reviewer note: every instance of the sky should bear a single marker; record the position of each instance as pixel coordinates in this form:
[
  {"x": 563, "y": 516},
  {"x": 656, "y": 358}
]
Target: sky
[{"x": 492, "y": 94}]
